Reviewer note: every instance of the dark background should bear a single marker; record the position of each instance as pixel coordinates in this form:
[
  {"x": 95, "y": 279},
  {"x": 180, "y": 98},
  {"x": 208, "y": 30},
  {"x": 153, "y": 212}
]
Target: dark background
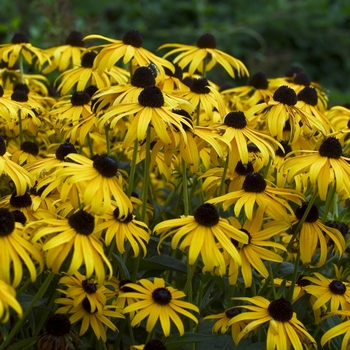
[{"x": 267, "y": 36}]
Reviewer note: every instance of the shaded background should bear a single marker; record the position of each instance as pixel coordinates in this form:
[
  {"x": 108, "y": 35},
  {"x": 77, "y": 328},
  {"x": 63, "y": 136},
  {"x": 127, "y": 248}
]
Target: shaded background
[{"x": 266, "y": 35}]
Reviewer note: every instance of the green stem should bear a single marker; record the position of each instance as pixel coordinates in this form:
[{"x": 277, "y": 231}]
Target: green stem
[
  {"x": 198, "y": 113},
  {"x": 133, "y": 168},
  {"x": 329, "y": 203},
  {"x": 89, "y": 140},
  {"x": 190, "y": 273},
  {"x": 108, "y": 141},
  {"x": 19, "y": 323},
  {"x": 21, "y": 69},
  {"x": 120, "y": 335},
  {"x": 146, "y": 176},
  {"x": 20, "y": 126},
  {"x": 272, "y": 280},
  {"x": 223, "y": 179},
  {"x": 185, "y": 189},
  {"x": 294, "y": 278}
]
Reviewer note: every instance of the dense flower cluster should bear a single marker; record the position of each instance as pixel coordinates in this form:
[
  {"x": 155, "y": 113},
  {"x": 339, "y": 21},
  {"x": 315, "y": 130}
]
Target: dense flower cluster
[{"x": 131, "y": 181}]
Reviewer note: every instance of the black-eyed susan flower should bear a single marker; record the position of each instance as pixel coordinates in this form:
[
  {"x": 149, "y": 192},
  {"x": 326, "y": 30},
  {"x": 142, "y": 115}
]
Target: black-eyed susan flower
[
  {"x": 16, "y": 251},
  {"x": 256, "y": 250},
  {"x": 129, "y": 49},
  {"x": 58, "y": 334},
  {"x": 20, "y": 177},
  {"x": 124, "y": 229},
  {"x": 153, "y": 108},
  {"x": 94, "y": 319},
  {"x": 199, "y": 234},
  {"x": 8, "y": 300},
  {"x": 324, "y": 168},
  {"x": 282, "y": 110},
  {"x": 158, "y": 302},
  {"x": 26, "y": 154},
  {"x": 329, "y": 292},
  {"x": 204, "y": 51},
  {"x": 238, "y": 134},
  {"x": 256, "y": 191},
  {"x": 314, "y": 236},
  {"x": 121, "y": 302},
  {"x": 284, "y": 332},
  {"x": 21, "y": 47},
  {"x": 76, "y": 235}
]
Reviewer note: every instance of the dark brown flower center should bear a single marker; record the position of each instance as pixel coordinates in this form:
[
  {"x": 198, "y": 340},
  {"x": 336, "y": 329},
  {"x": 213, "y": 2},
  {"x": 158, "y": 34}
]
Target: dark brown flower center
[
  {"x": 143, "y": 77},
  {"x": 82, "y": 222},
  {"x": 331, "y": 148},
  {"x": 91, "y": 90},
  {"x": 292, "y": 71},
  {"x": 235, "y": 120},
  {"x": 301, "y": 281},
  {"x": 244, "y": 169},
  {"x": 200, "y": 86},
  {"x": 21, "y": 87},
  {"x": 106, "y": 166},
  {"x": 75, "y": 38},
  {"x": 312, "y": 216},
  {"x": 87, "y": 306},
  {"x": 64, "y": 149},
  {"x": 286, "y": 149},
  {"x": 337, "y": 287},
  {"x": 186, "y": 116},
  {"x": 2, "y": 146},
  {"x": 80, "y": 98},
  {"x": 254, "y": 182},
  {"x": 258, "y": 81},
  {"x": 20, "y": 38},
  {"x": 177, "y": 73},
  {"x": 206, "y": 215},
  {"x": 124, "y": 288},
  {"x": 280, "y": 310},
  {"x": 285, "y": 95},
  {"x": 87, "y": 61},
  {"x": 151, "y": 96},
  {"x": 206, "y": 41},
  {"x": 340, "y": 226},
  {"x": 133, "y": 38},
  {"x": 30, "y": 147},
  {"x": 230, "y": 313},
  {"x": 7, "y": 222},
  {"x": 308, "y": 95},
  {"x": 19, "y": 96},
  {"x": 161, "y": 296},
  {"x": 21, "y": 201},
  {"x": 19, "y": 216},
  {"x": 58, "y": 325},
  {"x": 123, "y": 219},
  {"x": 154, "y": 344},
  {"x": 301, "y": 78},
  {"x": 90, "y": 288}
]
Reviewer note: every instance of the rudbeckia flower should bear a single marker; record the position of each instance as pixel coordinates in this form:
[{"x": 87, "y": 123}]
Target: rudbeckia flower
[
  {"x": 20, "y": 46},
  {"x": 254, "y": 252},
  {"x": 205, "y": 51},
  {"x": 223, "y": 323},
  {"x": 284, "y": 332},
  {"x": 257, "y": 191},
  {"x": 130, "y": 49},
  {"x": 124, "y": 229},
  {"x": 8, "y": 300},
  {"x": 332, "y": 293},
  {"x": 26, "y": 154},
  {"x": 16, "y": 250},
  {"x": 314, "y": 234},
  {"x": 324, "y": 167},
  {"x": 58, "y": 334},
  {"x": 200, "y": 234},
  {"x": 157, "y": 301},
  {"x": 89, "y": 318},
  {"x": 76, "y": 234}
]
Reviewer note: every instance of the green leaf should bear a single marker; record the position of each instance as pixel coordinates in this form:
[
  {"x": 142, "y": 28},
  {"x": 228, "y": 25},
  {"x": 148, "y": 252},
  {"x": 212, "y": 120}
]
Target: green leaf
[
  {"x": 163, "y": 263},
  {"x": 174, "y": 342},
  {"x": 122, "y": 266}
]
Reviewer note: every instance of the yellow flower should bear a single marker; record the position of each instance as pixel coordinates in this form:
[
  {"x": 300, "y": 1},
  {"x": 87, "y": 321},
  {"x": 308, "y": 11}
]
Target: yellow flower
[
  {"x": 156, "y": 301},
  {"x": 284, "y": 332},
  {"x": 200, "y": 234},
  {"x": 205, "y": 51},
  {"x": 130, "y": 49},
  {"x": 7, "y": 300}
]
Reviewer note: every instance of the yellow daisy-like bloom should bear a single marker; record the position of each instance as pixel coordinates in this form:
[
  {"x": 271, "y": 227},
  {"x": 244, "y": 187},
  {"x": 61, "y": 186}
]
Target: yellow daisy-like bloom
[
  {"x": 331, "y": 293},
  {"x": 98, "y": 181},
  {"x": 324, "y": 167},
  {"x": 238, "y": 133},
  {"x": 64, "y": 56},
  {"x": 20, "y": 177},
  {"x": 124, "y": 229},
  {"x": 153, "y": 108},
  {"x": 76, "y": 233},
  {"x": 26, "y": 154},
  {"x": 130, "y": 49},
  {"x": 195, "y": 56},
  {"x": 257, "y": 191},
  {"x": 342, "y": 328},
  {"x": 97, "y": 320},
  {"x": 16, "y": 250},
  {"x": 339, "y": 117},
  {"x": 20, "y": 47},
  {"x": 281, "y": 112},
  {"x": 254, "y": 252},
  {"x": 285, "y": 331},
  {"x": 84, "y": 75},
  {"x": 79, "y": 288},
  {"x": 156, "y": 301},
  {"x": 8, "y": 300},
  {"x": 200, "y": 234},
  {"x": 315, "y": 235},
  {"x": 223, "y": 323}
]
